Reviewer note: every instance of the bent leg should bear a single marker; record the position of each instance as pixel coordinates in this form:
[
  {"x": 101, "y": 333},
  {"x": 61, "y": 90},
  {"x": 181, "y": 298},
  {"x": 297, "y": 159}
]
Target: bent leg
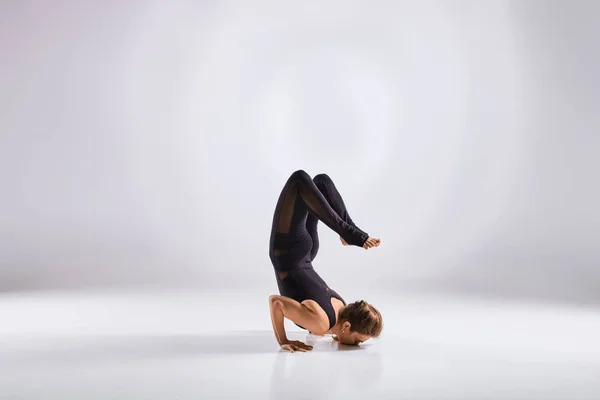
[
  {"x": 299, "y": 199},
  {"x": 333, "y": 196},
  {"x": 288, "y": 220},
  {"x": 319, "y": 207},
  {"x": 326, "y": 186}
]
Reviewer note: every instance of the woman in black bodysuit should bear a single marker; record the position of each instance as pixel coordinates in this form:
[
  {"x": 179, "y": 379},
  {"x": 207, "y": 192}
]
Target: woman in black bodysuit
[{"x": 305, "y": 298}]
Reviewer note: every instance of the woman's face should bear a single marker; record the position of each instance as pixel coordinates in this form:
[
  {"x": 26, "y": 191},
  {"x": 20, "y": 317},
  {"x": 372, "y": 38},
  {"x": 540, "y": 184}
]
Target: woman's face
[{"x": 351, "y": 338}]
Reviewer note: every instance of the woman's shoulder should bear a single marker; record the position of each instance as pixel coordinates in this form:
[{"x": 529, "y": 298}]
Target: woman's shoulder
[{"x": 321, "y": 318}]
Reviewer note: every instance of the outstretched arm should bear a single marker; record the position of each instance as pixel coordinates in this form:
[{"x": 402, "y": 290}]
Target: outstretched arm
[{"x": 284, "y": 307}]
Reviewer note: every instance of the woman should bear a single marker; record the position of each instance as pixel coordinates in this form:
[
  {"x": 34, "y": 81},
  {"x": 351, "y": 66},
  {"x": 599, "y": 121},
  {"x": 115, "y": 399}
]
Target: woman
[{"x": 304, "y": 297}]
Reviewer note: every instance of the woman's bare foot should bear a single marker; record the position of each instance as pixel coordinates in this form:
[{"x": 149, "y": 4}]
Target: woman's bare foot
[{"x": 371, "y": 242}]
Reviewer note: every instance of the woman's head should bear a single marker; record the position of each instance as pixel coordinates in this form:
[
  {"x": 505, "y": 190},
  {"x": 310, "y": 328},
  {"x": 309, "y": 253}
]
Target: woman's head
[{"x": 358, "y": 322}]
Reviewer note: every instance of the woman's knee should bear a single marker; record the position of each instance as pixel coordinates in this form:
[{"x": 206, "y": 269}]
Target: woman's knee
[
  {"x": 321, "y": 179},
  {"x": 300, "y": 175}
]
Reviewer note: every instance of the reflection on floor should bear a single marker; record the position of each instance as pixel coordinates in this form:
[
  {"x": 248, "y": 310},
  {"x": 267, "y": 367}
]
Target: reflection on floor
[{"x": 183, "y": 345}]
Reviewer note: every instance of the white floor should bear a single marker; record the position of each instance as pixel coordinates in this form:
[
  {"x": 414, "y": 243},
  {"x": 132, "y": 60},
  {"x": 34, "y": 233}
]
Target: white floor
[{"x": 186, "y": 345}]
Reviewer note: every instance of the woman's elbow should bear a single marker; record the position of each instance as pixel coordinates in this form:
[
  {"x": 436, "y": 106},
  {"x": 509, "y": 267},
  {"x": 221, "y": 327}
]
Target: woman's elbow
[{"x": 275, "y": 300}]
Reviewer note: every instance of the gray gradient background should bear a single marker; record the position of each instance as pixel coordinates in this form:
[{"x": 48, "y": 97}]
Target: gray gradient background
[{"x": 145, "y": 143}]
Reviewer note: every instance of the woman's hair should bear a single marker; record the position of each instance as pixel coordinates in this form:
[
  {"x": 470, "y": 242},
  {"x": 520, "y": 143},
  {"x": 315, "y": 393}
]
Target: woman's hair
[{"x": 363, "y": 317}]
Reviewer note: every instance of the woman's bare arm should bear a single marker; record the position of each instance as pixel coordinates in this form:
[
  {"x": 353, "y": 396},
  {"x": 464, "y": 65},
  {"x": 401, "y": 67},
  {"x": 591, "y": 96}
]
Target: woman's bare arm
[{"x": 285, "y": 307}]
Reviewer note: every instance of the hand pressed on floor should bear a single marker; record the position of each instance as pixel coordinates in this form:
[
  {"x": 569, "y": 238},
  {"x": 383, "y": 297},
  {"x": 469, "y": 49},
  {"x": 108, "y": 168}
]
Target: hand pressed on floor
[{"x": 295, "y": 345}]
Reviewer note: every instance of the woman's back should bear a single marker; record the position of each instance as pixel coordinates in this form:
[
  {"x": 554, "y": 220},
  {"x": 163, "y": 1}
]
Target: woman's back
[{"x": 305, "y": 284}]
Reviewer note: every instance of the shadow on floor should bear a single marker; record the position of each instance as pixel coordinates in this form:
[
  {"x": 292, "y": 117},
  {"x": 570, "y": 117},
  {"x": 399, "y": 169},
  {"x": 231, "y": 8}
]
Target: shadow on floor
[{"x": 69, "y": 349}]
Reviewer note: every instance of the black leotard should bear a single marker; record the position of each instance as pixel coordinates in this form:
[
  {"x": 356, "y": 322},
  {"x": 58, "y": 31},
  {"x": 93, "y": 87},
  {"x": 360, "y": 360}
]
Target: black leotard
[{"x": 294, "y": 240}]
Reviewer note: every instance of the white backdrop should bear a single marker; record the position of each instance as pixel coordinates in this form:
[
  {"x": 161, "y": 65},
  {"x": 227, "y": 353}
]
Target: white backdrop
[{"x": 145, "y": 143}]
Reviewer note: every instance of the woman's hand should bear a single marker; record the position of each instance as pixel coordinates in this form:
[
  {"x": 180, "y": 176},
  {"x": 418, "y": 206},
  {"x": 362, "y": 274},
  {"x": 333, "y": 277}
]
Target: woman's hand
[
  {"x": 371, "y": 242},
  {"x": 295, "y": 345}
]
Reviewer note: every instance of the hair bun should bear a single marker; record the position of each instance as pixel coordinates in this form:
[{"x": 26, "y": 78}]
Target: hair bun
[{"x": 363, "y": 317}]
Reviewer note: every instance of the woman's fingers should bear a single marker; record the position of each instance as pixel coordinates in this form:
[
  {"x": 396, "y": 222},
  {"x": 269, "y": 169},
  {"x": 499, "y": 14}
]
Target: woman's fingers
[
  {"x": 287, "y": 347},
  {"x": 296, "y": 346},
  {"x": 301, "y": 345}
]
